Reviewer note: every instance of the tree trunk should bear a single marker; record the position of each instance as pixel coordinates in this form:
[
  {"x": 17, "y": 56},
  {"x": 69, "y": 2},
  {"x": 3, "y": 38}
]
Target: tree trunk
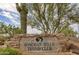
[{"x": 23, "y": 23}]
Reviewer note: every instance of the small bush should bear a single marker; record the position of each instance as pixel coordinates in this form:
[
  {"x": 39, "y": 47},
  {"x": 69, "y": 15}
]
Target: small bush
[{"x": 9, "y": 51}]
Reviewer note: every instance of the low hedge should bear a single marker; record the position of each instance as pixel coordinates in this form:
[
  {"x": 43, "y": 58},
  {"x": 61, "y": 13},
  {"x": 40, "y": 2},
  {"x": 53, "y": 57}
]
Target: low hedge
[{"x": 9, "y": 51}]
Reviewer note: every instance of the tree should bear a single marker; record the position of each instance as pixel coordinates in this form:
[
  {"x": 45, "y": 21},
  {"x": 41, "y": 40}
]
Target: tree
[
  {"x": 23, "y": 11},
  {"x": 9, "y": 29},
  {"x": 51, "y": 18},
  {"x": 41, "y": 17}
]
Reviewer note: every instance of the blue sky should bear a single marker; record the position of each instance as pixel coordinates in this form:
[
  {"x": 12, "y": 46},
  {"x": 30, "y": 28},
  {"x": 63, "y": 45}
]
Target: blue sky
[{"x": 9, "y": 14}]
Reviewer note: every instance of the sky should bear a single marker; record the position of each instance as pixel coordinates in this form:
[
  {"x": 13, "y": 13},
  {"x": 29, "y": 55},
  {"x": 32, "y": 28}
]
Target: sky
[
  {"x": 8, "y": 6},
  {"x": 12, "y": 20}
]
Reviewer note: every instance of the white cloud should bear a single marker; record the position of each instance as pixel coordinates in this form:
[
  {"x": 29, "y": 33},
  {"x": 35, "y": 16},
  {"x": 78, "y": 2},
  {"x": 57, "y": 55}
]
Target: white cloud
[
  {"x": 8, "y": 6},
  {"x": 11, "y": 18},
  {"x": 31, "y": 30},
  {"x": 75, "y": 27},
  {"x": 7, "y": 14},
  {"x": 15, "y": 22}
]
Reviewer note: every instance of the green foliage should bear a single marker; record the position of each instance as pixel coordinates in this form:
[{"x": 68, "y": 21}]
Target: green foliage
[
  {"x": 11, "y": 30},
  {"x": 68, "y": 32},
  {"x": 17, "y": 31},
  {"x": 9, "y": 51},
  {"x": 54, "y": 17}
]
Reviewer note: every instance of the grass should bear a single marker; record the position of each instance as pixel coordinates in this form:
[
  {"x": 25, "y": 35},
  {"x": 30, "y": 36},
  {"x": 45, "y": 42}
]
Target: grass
[{"x": 9, "y": 51}]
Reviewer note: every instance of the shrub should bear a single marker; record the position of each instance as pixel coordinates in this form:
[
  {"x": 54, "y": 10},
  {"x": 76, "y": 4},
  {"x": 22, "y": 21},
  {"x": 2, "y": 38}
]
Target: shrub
[{"x": 9, "y": 51}]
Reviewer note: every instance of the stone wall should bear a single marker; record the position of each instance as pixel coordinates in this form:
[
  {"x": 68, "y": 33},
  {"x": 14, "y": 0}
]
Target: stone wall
[{"x": 42, "y": 44}]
